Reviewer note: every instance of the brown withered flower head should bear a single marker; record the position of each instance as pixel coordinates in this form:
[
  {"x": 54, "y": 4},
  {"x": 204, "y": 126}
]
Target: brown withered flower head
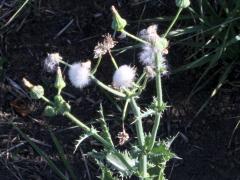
[
  {"x": 105, "y": 46},
  {"x": 123, "y": 137}
]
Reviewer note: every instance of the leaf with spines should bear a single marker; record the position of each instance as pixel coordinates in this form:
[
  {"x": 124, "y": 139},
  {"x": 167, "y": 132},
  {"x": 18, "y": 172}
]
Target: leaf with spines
[
  {"x": 116, "y": 163},
  {"x": 80, "y": 140},
  {"x": 105, "y": 130}
]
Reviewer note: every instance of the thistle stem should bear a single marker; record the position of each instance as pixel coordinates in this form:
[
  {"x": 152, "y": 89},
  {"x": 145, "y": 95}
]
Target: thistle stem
[
  {"x": 113, "y": 60},
  {"x": 159, "y": 101},
  {"x": 140, "y": 136},
  {"x": 65, "y": 63},
  {"x": 97, "y": 65},
  {"x": 134, "y": 37},
  {"x": 173, "y": 22},
  {"x": 109, "y": 89}
]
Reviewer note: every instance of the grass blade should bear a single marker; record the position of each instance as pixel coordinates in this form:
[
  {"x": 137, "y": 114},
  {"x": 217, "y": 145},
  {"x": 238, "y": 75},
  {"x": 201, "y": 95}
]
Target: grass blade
[
  {"x": 62, "y": 155},
  {"x": 42, "y": 153},
  {"x": 214, "y": 92}
]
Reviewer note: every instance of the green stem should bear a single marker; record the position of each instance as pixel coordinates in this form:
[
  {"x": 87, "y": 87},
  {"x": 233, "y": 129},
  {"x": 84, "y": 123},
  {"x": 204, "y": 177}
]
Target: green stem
[
  {"x": 47, "y": 100},
  {"x": 173, "y": 22},
  {"x": 140, "y": 136},
  {"x": 65, "y": 63},
  {"x": 159, "y": 101},
  {"x": 88, "y": 130},
  {"x": 107, "y": 88},
  {"x": 97, "y": 65},
  {"x": 113, "y": 60},
  {"x": 135, "y": 37}
]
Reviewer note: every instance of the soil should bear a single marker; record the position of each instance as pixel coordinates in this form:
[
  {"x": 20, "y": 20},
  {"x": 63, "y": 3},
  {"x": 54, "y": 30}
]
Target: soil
[{"x": 206, "y": 144}]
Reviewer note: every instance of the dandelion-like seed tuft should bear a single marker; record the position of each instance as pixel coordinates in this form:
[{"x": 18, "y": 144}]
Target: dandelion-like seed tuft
[
  {"x": 124, "y": 77},
  {"x": 51, "y": 62},
  {"x": 79, "y": 74},
  {"x": 156, "y": 46}
]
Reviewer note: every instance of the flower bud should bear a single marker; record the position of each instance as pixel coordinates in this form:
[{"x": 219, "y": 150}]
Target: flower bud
[
  {"x": 49, "y": 111},
  {"x": 36, "y": 92},
  {"x": 118, "y": 23},
  {"x": 61, "y": 105},
  {"x": 182, "y": 3},
  {"x": 161, "y": 43},
  {"x": 59, "y": 83}
]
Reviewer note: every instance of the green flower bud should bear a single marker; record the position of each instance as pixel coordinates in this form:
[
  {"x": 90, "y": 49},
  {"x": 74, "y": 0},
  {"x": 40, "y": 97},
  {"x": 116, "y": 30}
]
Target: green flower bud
[
  {"x": 50, "y": 111},
  {"x": 161, "y": 43},
  {"x": 61, "y": 105},
  {"x": 59, "y": 83},
  {"x": 182, "y": 3},
  {"x": 58, "y": 100},
  {"x": 118, "y": 23},
  {"x": 36, "y": 92}
]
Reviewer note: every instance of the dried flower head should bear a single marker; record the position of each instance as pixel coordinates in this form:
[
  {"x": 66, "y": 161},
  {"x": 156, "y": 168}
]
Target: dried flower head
[
  {"x": 79, "y": 74},
  {"x": 108, "y": 42},
  {"x": 51, "y": 62},
  {"x": 123, "y": 137},
  {"x": 124, "y": 77},
  {"x": 99, "y": 50},
  {"x": 102, "y": 48}
]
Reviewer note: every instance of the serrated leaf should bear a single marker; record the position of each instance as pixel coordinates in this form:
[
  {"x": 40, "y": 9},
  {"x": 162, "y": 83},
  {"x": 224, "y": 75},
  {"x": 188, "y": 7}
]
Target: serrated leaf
[
  {"x": 114, "y": 160},
  {"x": 105, "y": 130},
  {"x": 80, "y": 140}
]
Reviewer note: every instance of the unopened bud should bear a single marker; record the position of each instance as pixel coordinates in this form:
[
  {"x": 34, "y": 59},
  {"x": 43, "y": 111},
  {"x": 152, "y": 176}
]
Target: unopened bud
[
  {"x": 182, "y": 3},
  {"x": 49, "y": 111},
  {"x": 36, "y": 92},
  {"x": 59, "y": 83},
  {"x": 118, "y": 23}
]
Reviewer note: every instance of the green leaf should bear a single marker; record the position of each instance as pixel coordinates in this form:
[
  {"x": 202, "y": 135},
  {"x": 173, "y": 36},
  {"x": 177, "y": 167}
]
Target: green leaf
[
  {"x": 105, "y": 130},
  {"x": 80, "y": 140},
  {"x": 116, "y": 163}
]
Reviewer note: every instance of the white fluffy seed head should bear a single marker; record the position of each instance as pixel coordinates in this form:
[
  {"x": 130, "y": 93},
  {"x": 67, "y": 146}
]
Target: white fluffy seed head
[
  {"x": 79, "y": 74},
  {"x": 51, "y": 62},
  {"x": 149, "y": 34},
  {"x": 124, "y": 77},
  {"x": 147, "y": 56}
]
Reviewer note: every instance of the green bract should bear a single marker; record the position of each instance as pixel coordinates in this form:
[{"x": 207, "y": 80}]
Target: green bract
[
  {"x": 37, "y": 92},
  {"x": 59, "y": 83},
  {"x": 118, "y": 23},
  {"x": 182, "y": 3},
  {"x": 61, "y": 105},
  {"x": 49, "y": 111},
  {"x": 161, "y": 44}
]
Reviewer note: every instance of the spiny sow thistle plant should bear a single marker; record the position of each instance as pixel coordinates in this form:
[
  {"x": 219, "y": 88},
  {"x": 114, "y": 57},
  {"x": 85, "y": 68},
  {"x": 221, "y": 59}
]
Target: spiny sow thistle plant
[{"x": 147, "y": 157}]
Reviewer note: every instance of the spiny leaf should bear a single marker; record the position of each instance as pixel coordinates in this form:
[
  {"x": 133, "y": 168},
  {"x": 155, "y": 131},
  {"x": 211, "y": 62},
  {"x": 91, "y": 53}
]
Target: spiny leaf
[
  {"x": 80, "y": 140},
  {"x": 105, "y": 130}
]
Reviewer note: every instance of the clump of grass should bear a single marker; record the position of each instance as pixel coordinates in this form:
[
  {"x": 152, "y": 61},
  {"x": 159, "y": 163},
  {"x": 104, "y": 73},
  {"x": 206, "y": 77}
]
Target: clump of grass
[{"x": 214, "y": 43}]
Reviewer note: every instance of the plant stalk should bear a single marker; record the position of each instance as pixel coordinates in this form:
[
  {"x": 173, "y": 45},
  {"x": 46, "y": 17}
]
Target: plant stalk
[
  {"x": 140, "y": 136},
  {"x": 107, "y": 88},
  {"x": 134, "y": 37},
  {"x": 159, "y": 101},
  {"x": 173, "y": 22}
]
